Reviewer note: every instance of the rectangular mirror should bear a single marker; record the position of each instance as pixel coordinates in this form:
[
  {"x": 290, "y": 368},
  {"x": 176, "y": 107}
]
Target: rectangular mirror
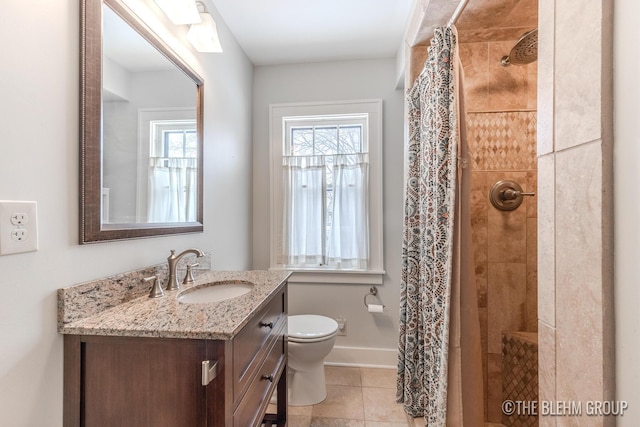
[{"x": 141, "y": 130}]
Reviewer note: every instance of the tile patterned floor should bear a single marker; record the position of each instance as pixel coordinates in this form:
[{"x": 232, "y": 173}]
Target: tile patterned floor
[{"x": 356, "y": 397}]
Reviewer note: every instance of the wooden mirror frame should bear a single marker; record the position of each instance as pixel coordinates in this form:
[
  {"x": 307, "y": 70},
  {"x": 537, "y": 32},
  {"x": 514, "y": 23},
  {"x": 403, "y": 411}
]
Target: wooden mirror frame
[{"x": 91, "y": 228}]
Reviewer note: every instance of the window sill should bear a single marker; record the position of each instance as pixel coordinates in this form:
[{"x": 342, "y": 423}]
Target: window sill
[{"x": 358, "y": 277}]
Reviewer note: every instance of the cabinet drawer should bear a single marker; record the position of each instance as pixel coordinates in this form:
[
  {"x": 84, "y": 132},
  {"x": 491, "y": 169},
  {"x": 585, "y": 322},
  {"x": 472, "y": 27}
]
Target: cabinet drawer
[
  {"x": 251, "y": 409},
  {"x": 252, "y": 343}
]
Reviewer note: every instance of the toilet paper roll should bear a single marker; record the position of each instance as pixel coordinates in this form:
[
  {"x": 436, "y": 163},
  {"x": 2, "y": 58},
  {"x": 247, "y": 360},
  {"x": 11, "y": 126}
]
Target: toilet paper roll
[{"x": 375, "y": 308}]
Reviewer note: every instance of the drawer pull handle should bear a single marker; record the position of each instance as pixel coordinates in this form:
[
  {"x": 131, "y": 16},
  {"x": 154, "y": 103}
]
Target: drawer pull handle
[
  {"x": 267, "y": 378},
  {"x": 266, "y": 325},
  {"x": 209, "y": 371}
]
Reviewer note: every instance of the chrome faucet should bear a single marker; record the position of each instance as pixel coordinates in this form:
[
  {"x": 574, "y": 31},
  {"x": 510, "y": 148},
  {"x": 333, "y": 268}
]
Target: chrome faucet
[{"x": 173, "y": 259}]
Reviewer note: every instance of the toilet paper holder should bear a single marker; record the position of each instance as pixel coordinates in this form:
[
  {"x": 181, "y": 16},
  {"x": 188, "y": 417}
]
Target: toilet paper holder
[{"x": 372, "y": 292}]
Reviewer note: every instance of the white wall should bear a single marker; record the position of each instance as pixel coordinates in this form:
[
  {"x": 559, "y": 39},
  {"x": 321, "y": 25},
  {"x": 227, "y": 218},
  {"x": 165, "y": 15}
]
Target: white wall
[
  {"x": 627, "y": 207},
  {"x": 39, "y": 151},
  {"x": 374, "y": 337}
]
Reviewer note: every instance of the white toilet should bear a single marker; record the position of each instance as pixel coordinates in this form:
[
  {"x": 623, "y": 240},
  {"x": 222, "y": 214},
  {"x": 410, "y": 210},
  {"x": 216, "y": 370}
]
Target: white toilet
[{"x": 311, "y": 338}]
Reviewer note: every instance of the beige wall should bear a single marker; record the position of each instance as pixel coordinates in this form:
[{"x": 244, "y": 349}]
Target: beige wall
[{"x": 501, "y": 123}]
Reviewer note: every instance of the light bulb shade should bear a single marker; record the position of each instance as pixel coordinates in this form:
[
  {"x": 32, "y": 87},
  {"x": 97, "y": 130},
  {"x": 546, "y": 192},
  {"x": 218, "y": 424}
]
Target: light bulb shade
[
  {"x": 204, "y": 36},
  {"x": 180, "y": 12}
]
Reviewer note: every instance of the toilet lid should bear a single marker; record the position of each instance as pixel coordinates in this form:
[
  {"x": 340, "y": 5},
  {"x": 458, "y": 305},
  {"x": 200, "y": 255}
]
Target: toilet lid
[{"x": 311, "y": 327}]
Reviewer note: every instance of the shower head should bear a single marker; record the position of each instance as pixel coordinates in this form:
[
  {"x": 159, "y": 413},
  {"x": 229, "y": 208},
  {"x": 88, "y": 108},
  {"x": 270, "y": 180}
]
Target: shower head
[{"x": 525, "y": 50}]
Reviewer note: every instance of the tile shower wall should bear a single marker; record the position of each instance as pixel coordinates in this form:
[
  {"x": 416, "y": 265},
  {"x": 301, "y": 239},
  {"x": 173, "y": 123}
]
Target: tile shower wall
[
  {"x": 575, "y": 149},
  {"x": 520, "y": 375},
  {"x": 501, "y": 127}
]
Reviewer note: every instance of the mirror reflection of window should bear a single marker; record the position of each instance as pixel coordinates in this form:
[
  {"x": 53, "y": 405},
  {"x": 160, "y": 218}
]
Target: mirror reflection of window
[
  {"x": 174, "y": 138},
  {"x": 172, "y": 171}
]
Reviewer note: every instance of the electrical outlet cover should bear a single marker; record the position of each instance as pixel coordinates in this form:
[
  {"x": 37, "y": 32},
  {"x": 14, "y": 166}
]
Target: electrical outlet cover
[
  {"x": 342, "y": 325},
  {"x": 18, "y": 227}
]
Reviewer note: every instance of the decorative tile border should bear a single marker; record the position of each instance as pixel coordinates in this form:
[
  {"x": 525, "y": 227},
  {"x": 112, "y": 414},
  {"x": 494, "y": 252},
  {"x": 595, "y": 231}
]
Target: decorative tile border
[{"x": 502, "y": 140}]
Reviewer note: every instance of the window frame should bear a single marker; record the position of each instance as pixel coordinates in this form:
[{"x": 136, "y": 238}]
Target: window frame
[
  {"x": 319, "y": 122},
  {"x": 277, "y": 131}
]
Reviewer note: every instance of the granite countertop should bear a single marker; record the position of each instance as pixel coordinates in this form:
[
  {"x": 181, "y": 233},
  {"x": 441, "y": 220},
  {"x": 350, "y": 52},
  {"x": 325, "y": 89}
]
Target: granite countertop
[{"x": 82, "y": 309}]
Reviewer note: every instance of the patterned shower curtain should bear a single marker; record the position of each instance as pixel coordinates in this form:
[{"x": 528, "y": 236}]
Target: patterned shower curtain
[{"x": 440, "y": 362}]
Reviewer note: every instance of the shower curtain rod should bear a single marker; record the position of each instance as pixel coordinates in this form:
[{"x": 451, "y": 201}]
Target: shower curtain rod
[{"x": 457, "y": 12}]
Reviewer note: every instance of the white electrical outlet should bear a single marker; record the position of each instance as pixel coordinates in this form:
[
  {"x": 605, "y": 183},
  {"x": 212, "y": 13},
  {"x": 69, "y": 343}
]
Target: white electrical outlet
[
  {"x": 18, "y": 227},
  {"x": 19, "y": 218},
  {"x": 342, "y": 325},
  {"x": 19, "y": 235}
]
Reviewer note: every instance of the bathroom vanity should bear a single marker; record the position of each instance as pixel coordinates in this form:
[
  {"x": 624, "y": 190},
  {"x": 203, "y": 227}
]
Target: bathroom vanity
[{"x": 164, "y": 363}]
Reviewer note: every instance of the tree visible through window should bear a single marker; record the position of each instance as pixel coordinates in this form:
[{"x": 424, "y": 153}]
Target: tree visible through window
[{"x": 180, "y": 143}]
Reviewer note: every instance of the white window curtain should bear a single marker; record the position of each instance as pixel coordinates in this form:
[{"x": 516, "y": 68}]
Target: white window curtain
[
  {"x": 172, "y": 189},
  {"x": 304, "y": 211},
  {"x": 316, "y": 235},
  {"x": 348, "y": 238}
]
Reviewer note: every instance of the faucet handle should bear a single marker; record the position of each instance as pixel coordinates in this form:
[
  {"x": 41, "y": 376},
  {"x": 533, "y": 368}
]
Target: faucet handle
[
  {"x": 188, "y": 278},
  {"x": 156, "y": 289}
]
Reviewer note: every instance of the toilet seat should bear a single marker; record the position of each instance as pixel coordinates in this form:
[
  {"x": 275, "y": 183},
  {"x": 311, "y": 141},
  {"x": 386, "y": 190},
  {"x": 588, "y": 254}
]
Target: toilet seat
[{"x": 311, "y": 328}]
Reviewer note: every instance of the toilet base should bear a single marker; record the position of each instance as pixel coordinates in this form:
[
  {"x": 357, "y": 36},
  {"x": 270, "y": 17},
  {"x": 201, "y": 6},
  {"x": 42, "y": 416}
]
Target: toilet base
[{"x": 307, "y": 388}]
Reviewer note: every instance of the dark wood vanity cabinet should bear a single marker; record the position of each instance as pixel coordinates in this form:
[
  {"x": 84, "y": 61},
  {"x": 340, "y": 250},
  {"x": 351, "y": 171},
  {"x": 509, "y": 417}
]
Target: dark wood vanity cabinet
[{"x": 158, "y": 382}]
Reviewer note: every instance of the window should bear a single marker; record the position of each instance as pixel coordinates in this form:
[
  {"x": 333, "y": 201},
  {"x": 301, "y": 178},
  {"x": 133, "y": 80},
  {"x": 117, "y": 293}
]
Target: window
[
  {"x": 173, "y": 139},
  {"x": 172, "y": 171},
  {"x": 167, "y": 165},
  {"x": 326, "y": 172},
  {"x": 180, "y": 142}
]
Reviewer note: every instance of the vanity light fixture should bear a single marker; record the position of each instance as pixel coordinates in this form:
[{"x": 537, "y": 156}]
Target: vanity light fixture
[
  {"x": 180, "y": 12},
  {"x": 204, "y": 35}
]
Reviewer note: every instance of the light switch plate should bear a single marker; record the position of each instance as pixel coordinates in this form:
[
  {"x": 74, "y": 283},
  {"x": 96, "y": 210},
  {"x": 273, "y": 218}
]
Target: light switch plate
[{"x": 18, "y": 227}]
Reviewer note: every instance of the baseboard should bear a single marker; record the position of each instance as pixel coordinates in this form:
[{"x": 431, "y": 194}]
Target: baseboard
[{"x": 362, "y": 357}]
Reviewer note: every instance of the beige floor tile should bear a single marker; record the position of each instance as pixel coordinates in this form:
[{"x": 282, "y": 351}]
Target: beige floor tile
[
  {"x": 335, "y": 422},
  {"x": 340, "y": 375},
  {"x": 380, "y": 405},
  {"x": 341, "y": 402},
  {"x": 300, "y": 410},
  {"x": 353, "y": 396},
  {"x": 378, "y": 377},
  {"x": 299, "y": 420},
  {"x": 385, "y": 424}
]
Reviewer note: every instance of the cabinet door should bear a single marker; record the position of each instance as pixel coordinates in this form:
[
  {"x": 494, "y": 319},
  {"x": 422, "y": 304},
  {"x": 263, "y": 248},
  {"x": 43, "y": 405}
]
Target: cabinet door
[{"x": 138, "y": 382}]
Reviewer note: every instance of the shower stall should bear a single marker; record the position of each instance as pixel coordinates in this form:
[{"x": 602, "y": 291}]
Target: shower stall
[
  {"x": 501, "y": 125},
  {"x": 498, "y": 51}
]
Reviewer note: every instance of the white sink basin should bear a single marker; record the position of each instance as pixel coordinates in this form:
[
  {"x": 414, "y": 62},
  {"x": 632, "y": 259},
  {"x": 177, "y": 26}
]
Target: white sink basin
[{"x": 215, "y": 292}]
